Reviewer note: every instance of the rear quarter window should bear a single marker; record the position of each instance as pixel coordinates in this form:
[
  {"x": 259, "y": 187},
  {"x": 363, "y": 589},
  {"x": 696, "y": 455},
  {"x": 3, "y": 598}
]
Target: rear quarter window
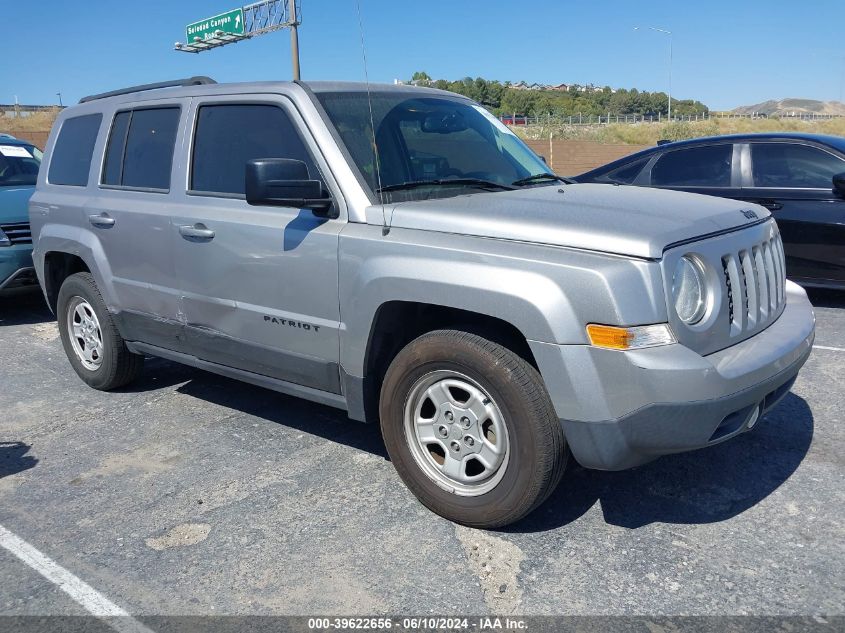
[
  {"x": 626, "y": 174},
  {"x": 71, "y": 158}
]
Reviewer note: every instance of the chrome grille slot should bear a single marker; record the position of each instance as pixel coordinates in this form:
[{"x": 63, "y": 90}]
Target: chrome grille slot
[
  {"x": 755, "y": 284},
  {"x": 18, "y": 233},
  {"x": 752, "y": 303},
  {"x": 762, "y": 281},
  {"x": 736, "y": 293}
]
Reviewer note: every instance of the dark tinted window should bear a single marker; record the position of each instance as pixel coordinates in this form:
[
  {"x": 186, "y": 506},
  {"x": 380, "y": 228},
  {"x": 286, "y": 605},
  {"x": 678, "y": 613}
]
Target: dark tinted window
[
  {"x": 792, "y": 165},
  {"x": 227, "y": 136},
  {"x": 71, "y": 159},
  {"x": 149, "y": 148},
  {"x": 708, "y": 166},
  {"x": 113, "y": 167},
  {"x": 626, "y": 174}
]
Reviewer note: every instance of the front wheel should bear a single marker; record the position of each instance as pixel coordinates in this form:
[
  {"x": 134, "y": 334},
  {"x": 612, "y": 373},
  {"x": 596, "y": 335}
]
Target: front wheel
[{"x": 470, "y": 428}]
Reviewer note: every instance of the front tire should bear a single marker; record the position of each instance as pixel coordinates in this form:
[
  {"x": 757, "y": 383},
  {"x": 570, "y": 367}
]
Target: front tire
[
  {"x": 470, "y": 429},
  {"x": 93, "y": 345}
]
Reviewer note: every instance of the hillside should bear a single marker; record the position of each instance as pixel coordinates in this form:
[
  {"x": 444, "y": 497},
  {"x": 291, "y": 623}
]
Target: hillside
[{"x": 793, "y": 107}]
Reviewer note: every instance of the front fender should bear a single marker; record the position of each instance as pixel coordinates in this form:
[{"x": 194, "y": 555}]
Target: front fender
[{"x": 549, "y": 294}]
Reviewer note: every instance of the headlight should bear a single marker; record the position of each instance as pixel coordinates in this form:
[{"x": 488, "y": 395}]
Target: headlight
[
  {"x": 4, "y": 239},
  {"x": 689, "y": 290}
]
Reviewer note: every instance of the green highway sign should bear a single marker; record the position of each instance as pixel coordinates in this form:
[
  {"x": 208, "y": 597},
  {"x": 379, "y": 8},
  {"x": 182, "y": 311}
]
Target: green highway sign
[{"x": 231, "y": 22}]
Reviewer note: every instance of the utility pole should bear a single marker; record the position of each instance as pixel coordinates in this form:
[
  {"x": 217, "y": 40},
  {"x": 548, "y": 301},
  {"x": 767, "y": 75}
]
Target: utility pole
[{"x": 294, "y": 38}]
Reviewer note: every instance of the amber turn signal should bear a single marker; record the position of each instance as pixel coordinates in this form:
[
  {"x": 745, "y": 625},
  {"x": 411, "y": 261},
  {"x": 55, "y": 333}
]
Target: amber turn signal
[{"x": 614, "y": 337}]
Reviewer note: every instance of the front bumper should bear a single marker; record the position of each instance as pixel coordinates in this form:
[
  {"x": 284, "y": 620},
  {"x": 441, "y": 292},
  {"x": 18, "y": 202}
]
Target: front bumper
[
  {"x": 622, "y": 409},
  {"x": 16, "y": 267}
]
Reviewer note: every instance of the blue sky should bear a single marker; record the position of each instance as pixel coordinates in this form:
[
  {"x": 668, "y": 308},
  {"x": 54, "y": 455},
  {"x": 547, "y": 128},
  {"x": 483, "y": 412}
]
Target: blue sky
[{"x": 727, "y": 53}]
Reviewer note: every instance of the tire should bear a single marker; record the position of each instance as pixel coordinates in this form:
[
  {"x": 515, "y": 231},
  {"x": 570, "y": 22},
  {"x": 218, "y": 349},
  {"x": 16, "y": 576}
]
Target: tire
[
  {"x": 107, "y": 366},
  {"x": 526, "y": 432}
]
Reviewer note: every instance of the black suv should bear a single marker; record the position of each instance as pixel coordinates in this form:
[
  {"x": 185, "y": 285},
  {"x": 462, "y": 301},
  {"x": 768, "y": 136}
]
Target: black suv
[{"x": 800, "y": 178}]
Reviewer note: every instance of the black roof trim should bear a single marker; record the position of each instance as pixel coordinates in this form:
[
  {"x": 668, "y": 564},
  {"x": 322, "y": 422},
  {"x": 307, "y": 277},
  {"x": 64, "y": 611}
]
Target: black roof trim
[{"x": 188, "y": 81}]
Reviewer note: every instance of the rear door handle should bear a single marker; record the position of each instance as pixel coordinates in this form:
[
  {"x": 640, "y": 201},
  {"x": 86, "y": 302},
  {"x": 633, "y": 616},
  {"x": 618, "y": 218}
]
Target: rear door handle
[
  {"x": 197, "y": 231},
  {"x": 103, "y": 220}
]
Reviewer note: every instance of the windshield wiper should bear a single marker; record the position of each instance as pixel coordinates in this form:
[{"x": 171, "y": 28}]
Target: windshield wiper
[
  {"x": 542, "y": 176},
  {"x": 478, "y": 182}
]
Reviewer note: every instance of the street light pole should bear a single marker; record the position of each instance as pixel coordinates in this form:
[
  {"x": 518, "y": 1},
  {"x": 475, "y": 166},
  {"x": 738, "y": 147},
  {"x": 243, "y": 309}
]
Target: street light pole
[
  {"x": 59, "y": 95},
  {"x": 294, "y": 39},
  {"x": 669, "y": 34}
]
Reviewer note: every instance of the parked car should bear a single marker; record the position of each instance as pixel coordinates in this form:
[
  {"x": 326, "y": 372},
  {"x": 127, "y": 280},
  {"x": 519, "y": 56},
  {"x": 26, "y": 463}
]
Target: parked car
[
  {"x": 19, "y": 162},
  {"x": 800, "y": 178},
  {"x": 489, "y": 315},
  {"x": 514, "y": 119}
]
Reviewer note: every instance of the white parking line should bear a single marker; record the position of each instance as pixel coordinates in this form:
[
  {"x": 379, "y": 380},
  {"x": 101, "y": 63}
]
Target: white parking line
[
  {"x": 89, "y": 598},
  {"x": 831, "y": 349}
]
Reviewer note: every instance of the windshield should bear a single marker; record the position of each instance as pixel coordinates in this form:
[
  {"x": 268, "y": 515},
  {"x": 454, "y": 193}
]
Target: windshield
[
  {"x": 19, "y": 164},
  {"x": 429, "y": 146}
]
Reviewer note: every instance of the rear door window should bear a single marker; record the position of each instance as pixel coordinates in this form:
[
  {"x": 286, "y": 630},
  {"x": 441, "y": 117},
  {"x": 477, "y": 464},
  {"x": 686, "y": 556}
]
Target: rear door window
[
  {"x": 71, "y": 159},
  {"x": 793, "y": 166},
  {"x": 229, "y": 135},
  {"x": 707, "y": 166},
  {"x": 148, "y": 155}
]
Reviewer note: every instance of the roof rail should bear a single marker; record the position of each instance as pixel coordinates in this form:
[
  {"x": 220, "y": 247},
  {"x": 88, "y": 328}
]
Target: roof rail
[{"x": 189, "y": 81}]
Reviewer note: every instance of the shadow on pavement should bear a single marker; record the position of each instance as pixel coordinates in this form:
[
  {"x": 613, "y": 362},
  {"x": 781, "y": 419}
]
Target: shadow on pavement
[
  {"x": 14, "y": 458},
  {"x": 826, "y": 298},
  {"x": 315, "y": 419},
  {"x": 704, "y": 486},
  {"x": 24, "y": 307}
]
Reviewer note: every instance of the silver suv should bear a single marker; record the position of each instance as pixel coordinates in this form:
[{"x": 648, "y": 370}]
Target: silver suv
[{"x": 399, "y": 254}]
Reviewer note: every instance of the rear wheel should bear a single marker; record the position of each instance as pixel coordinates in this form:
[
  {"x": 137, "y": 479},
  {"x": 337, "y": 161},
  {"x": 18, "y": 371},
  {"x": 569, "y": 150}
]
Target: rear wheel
[
  {"x": 470, "y": 428},
  {"x": 90, "y": 338}
]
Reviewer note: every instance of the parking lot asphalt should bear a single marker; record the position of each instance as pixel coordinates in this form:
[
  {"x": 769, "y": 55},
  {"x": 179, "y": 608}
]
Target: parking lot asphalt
[{"x": 188, "y": 493}]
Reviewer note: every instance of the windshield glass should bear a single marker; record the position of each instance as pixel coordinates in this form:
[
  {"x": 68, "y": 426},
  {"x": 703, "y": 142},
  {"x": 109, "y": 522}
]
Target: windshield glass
[
  {"x": 432, "y": 140},
  {"x": 18, "y": 164}
]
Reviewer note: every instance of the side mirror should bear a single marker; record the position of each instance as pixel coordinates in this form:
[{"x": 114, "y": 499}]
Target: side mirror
[
  {"x": 839, "y": 184},
  {"x": 284, "y": 182}
]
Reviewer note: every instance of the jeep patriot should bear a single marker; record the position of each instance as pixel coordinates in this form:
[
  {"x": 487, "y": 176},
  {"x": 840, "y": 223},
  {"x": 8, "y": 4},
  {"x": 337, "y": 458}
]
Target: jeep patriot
[{"x": 398, "y": 253}]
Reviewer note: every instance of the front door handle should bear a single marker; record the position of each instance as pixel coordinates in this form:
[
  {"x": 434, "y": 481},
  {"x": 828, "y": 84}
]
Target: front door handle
[
  {"x": 771, "y": 205},
  {"x": 196, "y": 232},
  {"x": 103, "y": 220}
]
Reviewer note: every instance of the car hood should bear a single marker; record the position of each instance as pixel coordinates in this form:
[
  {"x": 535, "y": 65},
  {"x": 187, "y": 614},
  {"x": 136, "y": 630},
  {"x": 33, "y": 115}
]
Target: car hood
[
  {"x": 14, "y": 202},
  {"x": 633, "y": 221}
]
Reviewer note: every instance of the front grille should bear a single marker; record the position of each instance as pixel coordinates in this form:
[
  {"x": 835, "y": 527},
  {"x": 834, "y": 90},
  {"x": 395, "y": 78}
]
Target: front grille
[
  {"x": 18, "y": 233},
  {"x": 755, "y": 278}
]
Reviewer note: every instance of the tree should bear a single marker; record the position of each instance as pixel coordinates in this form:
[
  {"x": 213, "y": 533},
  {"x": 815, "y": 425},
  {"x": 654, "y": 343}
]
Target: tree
[
  {"x": 420, "y": 75},
  {"x": 503, "y": 98}
]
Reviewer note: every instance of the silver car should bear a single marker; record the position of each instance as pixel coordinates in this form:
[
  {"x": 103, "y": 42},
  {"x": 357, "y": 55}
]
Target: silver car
[{"x": 398, "y": 253}]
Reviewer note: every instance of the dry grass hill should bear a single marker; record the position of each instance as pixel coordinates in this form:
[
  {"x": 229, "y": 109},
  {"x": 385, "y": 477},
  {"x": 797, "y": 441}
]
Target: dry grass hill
[{"x": 793, "y": 107}]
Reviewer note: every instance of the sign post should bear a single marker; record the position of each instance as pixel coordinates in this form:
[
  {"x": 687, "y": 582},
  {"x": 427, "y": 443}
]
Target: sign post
[{"x": 259, "y": 18}]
